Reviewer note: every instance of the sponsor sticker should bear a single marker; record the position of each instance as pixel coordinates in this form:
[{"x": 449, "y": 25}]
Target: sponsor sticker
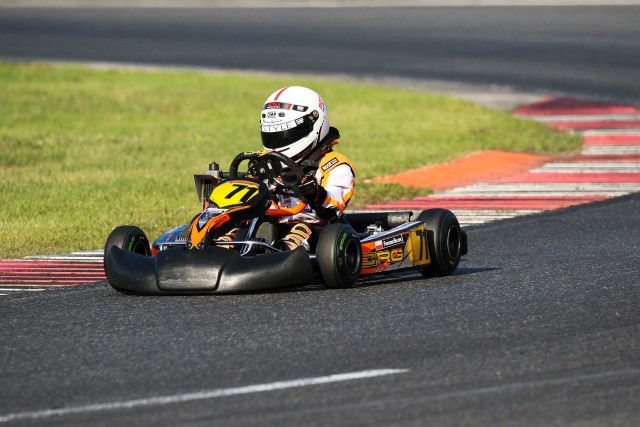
[
  {"x": 278, "y": 127},
  {"x": 389, "y": 242},
  {"x": 384, "y": 258},
  {"x": 393, "y": 241},
  {"x": 328, "y": 165},
  {"x": 284, "y": 106},
  {"x": 344, "y": 236}
]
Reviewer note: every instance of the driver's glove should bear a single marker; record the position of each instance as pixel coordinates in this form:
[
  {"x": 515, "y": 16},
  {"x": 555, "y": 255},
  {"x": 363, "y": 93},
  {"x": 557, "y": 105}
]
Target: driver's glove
[
  {"x": 310, "y": 189},
  {"x": 314, "y": 195}
]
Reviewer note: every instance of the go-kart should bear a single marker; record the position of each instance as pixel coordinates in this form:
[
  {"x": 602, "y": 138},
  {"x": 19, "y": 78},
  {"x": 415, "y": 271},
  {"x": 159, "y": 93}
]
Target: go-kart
[{"x": 194, "y": 259}]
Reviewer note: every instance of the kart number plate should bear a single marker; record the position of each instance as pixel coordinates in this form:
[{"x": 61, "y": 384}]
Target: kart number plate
[
  {"x": 234, "y": 193},
  {"x": 419, "y": 251}
]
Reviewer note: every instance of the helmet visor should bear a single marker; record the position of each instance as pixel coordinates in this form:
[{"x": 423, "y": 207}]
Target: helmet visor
[{"x": 284, "y": 138}]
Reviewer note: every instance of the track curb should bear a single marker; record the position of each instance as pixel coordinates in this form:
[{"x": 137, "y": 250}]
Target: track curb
[{"x": 607, "y": 166}]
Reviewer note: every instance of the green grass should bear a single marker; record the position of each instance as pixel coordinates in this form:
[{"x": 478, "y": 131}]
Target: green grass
[{"x": 84, "y": 150}]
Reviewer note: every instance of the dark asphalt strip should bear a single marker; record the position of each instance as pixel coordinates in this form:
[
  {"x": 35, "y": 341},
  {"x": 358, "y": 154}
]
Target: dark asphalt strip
[{"x": 591, "y": 52}]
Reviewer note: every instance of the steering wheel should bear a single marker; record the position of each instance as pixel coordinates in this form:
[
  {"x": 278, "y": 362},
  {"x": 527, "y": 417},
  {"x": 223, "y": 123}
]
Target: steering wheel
[{"x": 267, "y": 166}]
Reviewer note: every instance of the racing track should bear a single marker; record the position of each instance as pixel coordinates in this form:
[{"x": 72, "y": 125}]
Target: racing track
[
  {"x": 539, "y": 327},
  {"x": 583, "y": 51}
]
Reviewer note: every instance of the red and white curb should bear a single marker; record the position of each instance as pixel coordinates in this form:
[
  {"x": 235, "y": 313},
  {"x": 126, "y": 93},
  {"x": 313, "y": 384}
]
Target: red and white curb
[
  {"x": 38, "y": 273},
  {"x": 80, "y": 257},
  {"x": 608, "y": 166}
]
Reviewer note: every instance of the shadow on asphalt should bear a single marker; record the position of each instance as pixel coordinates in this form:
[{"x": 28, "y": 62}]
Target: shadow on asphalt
[{"x": 362, "y": 283}]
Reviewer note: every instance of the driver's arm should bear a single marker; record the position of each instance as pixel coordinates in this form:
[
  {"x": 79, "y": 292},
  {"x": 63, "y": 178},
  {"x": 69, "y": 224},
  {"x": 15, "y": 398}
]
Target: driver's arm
[{"x": 330, "y": 199}]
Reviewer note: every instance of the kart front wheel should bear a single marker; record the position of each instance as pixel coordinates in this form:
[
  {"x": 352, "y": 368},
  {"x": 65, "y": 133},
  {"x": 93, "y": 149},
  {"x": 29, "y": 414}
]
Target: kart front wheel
[
  {"x": 446, "y": 241},
  {"x": 339, "y": 256},
  {"x": 128, "y": 238}
]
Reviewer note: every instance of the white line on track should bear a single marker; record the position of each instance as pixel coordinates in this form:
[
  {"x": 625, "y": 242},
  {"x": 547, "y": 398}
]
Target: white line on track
[
  {"x": 480, "y": 216},
  {"x": 613, "y": 150},
  {"x": 606, "y": 132},
  {"x": 10, "y": 290},
  {"x": 63, "y": 257},
  {"x": 80, "y": 256},
  {"x": 544, "y": 189},
  {"x": 593, "y": 167},
  {"x": 201, "y": 395},
  {"x": 404, "y": 402},
  {"x": 584, "y": 118},
  {"x": 536, "y": 384}
]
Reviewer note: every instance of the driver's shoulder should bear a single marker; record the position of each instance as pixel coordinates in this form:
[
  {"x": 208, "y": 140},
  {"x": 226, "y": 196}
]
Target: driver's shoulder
[{"x": 332, "y": 160}]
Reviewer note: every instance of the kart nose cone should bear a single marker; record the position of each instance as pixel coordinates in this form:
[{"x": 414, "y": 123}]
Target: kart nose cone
[
  {"x": 213, "y": 270},
  {"x": 171, "y": 270}
]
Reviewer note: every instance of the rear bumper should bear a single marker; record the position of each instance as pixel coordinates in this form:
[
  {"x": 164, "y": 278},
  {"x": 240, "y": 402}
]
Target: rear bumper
[{"x": 210, "y": 271}]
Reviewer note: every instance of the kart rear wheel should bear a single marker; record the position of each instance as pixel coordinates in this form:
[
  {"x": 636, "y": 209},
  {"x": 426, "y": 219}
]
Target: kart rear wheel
[
  {"x": 128, "y": 238},
  {"x": 339, "y": 256},
  {"x": 445, "y": 239}
]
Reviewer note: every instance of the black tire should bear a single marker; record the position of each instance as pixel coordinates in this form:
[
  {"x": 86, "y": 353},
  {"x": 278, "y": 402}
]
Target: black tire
[
  {"x": 339, "y": 256},
  {"x": 445, "y": 241},
  {"x": 129, "y": 238}
]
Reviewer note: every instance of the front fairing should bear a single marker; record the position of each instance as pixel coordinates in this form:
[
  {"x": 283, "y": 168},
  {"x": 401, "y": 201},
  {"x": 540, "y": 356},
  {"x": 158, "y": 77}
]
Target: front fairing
[
  {"x": 175, "y": 237},
  {"x": 210, "y": 271}
]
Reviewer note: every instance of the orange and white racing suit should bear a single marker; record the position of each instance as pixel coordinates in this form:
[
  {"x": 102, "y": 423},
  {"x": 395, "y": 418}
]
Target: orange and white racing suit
[{"x": 336, "y": 177}]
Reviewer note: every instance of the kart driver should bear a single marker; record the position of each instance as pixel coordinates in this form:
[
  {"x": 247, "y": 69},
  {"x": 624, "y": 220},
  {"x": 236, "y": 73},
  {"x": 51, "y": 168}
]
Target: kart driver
[{"x": 295, "y": 122}]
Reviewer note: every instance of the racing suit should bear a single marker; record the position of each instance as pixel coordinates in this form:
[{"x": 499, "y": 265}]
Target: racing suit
[{"x": 335, "y": 179}]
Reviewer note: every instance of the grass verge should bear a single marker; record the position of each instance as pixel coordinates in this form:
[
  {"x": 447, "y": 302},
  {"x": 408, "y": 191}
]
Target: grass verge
[{"x": 82, "y": 150}]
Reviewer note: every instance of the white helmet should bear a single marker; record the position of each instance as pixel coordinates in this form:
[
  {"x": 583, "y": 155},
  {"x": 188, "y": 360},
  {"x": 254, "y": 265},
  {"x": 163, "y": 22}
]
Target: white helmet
[{"x": 293, "y": 120}]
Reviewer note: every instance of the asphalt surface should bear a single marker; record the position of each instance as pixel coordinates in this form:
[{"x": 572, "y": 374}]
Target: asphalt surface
[
  {"x": 584, "y": 51},
  {"x": 539, "y": 326}
]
